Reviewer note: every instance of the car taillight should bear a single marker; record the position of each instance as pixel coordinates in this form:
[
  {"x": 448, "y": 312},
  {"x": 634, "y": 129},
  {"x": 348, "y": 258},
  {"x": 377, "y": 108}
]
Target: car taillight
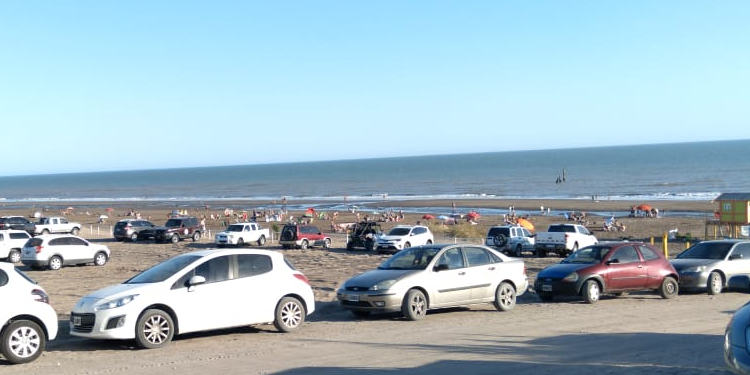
[
  {"x": 40, "y": 296},
  {"x": 524, "y": 269},
  {"x": 302, "y": 277},
  {"x": 566, "y": 236},
  {"x": 38, "y": 248}
]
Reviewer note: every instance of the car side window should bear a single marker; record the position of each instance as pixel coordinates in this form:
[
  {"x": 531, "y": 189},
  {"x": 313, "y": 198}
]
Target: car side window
[
  {"x": 215, "y": 270},
  {"x": 3, "y": 278},
  {"x": 452, "y": 258},
  {"x": 476, "y": 256},
  {"x": 419, "y": 230},
  {"x": 63, "y": 221},
  {"x": 58, "y": 241},
  {"x": 19, "y": 236},
  {"x": 253, "y": 264},
  {"x": 77, "y": 241},
  {"x": 625, "y": 254},
  {"x": 647, "y": 253},
  {"x": 742, "y": 249}
]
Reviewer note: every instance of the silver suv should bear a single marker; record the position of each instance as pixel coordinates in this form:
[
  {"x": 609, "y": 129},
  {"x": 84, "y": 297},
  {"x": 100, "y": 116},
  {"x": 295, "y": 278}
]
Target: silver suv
[{"x": 510, "y": 239}]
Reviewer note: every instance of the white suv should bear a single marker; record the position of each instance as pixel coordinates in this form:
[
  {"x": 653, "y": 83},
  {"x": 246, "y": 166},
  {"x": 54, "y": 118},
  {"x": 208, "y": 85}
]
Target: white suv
[
  {"x": 26, "y": 318},
  {"x": 198, "y": 291},
  {"x": 404, "y": 236},
  {"x": 11, "y": 243},
  {"x": 56, "y": 251},
  {"x": 510, "y": 239}
]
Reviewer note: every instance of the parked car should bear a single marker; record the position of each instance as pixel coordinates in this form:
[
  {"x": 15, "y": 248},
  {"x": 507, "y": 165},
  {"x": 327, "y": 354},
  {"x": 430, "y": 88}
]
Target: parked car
[
  {"x": 710, "y": 264},
  {"x": 197, "y": 291},
  {"x": 14, "y": 222},
  {"x": 363, "y": 235},
  {"x": 422, "y": 278},
  {"x": 404, "y": 236},
  {"x": 11, "y": 243},
  {"x": 128, "y": 229},
  {"x": 55, "y": 251},
  {"x": 615, "y": 267},
  {"x": 563, "y": 239},
  {"x": 27, "y": 321},
  {"x": 54, "y": 224},
  {"x": 303, "y": 236},
  {"x": 242, "y": 233},
  {"x": 737, "y": 341},
  {"x": 510, "y": 239},
  {"x": 174, "y": 230}
]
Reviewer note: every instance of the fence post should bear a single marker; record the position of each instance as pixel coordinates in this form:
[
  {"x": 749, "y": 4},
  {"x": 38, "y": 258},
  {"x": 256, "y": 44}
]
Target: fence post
[
  {"x": 91, "y": 230},
  {"x": 687, "y": 244},
  {"x": 664, "y": 245},
  {"x": 652, "y": 240}
]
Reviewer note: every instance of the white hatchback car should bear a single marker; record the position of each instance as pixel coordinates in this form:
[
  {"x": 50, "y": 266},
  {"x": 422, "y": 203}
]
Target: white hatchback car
[
  {"x": 198, "y": 291},
  {"x": 55, "y": 251},
  {"x": 404, "y": 236},
  {"x": 26, "y": 318},
  {"x": 11, "y": 243}
]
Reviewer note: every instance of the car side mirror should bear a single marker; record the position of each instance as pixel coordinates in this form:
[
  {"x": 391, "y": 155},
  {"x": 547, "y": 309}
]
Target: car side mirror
[
  {"x": 195, "y": 281},
  {"x": 613, "y": 261},
  {"x": 735, "y": 256},
  {"x": 440, "y": 267}
]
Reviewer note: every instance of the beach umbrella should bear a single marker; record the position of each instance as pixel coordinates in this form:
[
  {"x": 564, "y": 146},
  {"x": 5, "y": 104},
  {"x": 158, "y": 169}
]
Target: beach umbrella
[
  {"x": 473, "y": 215},
  {"x": 644, "y": 207},
  {"x": 428, "y": 217},
  {"x": 526, "y": 224},
  {"x": 70, "y": 208}
]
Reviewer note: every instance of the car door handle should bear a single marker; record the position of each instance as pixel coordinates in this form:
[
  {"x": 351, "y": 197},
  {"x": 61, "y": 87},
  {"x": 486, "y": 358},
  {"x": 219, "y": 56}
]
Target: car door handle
[
  {"x": 491, "y": 268},
  {"x": 461, "y": 273}
]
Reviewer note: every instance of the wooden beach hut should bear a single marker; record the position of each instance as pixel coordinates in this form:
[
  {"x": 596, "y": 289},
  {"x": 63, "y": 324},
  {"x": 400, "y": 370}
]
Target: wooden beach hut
[{"x": 733, "y": 213}]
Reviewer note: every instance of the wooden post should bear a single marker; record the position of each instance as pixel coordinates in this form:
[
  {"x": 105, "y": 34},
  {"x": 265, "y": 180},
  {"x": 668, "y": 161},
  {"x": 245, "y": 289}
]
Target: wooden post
[
  {"x": 664, "y": 245},
  {"x": 652, "y": 240}
]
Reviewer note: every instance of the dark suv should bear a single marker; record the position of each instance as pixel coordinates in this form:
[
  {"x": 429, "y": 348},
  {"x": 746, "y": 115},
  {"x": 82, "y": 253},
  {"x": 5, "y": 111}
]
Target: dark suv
[
  {"x": 303, "y": 236},
  {"x": 14, "y": 222},
  {"x": 129, "y": 229},
  {"x": 174, "y": 230}
]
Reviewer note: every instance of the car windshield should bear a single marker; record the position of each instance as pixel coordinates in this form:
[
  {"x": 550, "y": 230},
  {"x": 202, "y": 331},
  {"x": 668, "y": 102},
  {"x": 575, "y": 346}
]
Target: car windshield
[
  {"x": 171, "y": 223},
  {"x": 235, "y": 228},
  {"x": 164, "y": 270},
  {"x": 399, "y": 231},
  {"x": 415, "y": 258},
  {"x": 591, "y": 254},
  {"x": 494, "y": 232},
  {"x": 707, "y": 250}
]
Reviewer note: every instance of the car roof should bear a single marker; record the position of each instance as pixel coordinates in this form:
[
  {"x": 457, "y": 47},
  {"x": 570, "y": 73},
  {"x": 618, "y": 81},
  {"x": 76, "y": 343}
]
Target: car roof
[
  {"x": 217, "y": 252},
  {"x": 13, "y": 231},
  {"x": 727, "y": 240},
  {"x": 506, "y": 226},
  {"x": 10, "y": 216}
]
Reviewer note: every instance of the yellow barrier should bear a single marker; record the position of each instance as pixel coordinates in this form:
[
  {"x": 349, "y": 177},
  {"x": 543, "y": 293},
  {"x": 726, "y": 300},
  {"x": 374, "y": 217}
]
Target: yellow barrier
[
  {"x": 687, "y": 244},
  {"x": 664, "y": 245},
  {"x": 652, "y": 240}
]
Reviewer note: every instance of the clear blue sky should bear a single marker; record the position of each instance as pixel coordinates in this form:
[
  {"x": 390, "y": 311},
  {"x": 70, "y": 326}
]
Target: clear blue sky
[{"x": 110, "y": 85}]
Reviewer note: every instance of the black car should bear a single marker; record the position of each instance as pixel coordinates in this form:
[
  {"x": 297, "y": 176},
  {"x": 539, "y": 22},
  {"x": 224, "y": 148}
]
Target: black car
[
  {"x": 363, "y": 235},
  {"x": 174, "y": 230},
  {"x": 15, "y": 222},
  {"x": 129, "y": 229}
]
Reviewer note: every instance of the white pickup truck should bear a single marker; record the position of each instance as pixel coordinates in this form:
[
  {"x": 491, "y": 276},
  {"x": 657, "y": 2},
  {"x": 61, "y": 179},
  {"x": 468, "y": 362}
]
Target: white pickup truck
[
  {"x": 11, "y": 243},
  {"x": 563, "y": 239},
  {"x": 47, "y": 225},
  {"x": 240, "y": 234}
]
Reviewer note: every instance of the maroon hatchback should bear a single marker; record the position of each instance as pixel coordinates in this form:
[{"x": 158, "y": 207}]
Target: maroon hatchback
[{"x": 614, "y": 267}]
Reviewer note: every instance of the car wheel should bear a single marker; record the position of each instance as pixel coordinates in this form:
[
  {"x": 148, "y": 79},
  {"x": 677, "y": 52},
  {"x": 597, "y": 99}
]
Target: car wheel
[
  {"x": 55, "y": 263},
  {"x": 14, "y": 256},
  {"x": 134, "y": 237},
  {"x": 414, "y": 306},
  {"x": 541, "y": 253},
  {"x": 505, "y": 297},
  {"x": 74, "y": 231},
  {"x": 240, "y": 242},
  {"x": 327, "y": 243},
  {"x": 304, "y": 245},
  {"x": 361, "y": 313},
  {"x": 500, "y": 240},
  {"x": 100, "y": 258},
  {"x": 407, "y": 245},
  {"x": 154, "y": 329},
  {"x": 45, "y": 231},
  {"x": 22, "y": 341},
  {"x": 519, "y": 251},
  {"x": 196, "y": 236},
  {"x": 546, "y": 296},
  {"x": 715, "y": 283},
  {"x": 349, "y": 246},
  {"x": 290, "y": 314},
  {"x": 369, "y": 245},
  {"x": 175, "y": 238},
  {"x": 669, "y": 287},
  {"x": 262, "y": 240},
  {"x": 591, "y": 291},
  {"x": 429, "y": 242}
]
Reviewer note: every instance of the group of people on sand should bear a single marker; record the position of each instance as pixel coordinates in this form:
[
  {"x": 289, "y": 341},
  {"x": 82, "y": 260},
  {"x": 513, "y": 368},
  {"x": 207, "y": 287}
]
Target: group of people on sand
[{"x": 612, "y": 225}]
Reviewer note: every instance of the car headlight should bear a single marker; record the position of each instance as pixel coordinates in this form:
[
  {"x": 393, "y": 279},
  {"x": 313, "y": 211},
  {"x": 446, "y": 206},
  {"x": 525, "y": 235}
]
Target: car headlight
[
  {"x": 694, "y": 269},
  {"x": 383, "y": 285},
  {"x": 572, "y": 277},
  {"x": 115, "y": 303}
]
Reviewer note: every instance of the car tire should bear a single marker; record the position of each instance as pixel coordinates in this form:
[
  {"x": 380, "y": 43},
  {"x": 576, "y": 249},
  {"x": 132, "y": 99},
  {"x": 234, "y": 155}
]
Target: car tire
[
  {"x": 369, "y": 245},
  {"x": 55, "y": 263},
  {"x": 407, "y": 245},
  {"x": 541, "y": 253},
  {"x": 175, "y": 238},
  {"x": 546, "y": 296},
  {"x": 349, "y": 247},
  {"x": 134, "y": 237},
  {"x": 14, "y": 256},
  {"x": 360, "y": 313},
  {"x": 75, "y": 231},
  {"x": 45, "y": 231},
  {"x": 715, "y": 283},
  {"x": 240, "y": 242},
  {"x": 100, "y": 258},
  {"x": 304, "y": 245},
  {"x": 196, "y": 236},
  {"x": 591, "y": 291},
  {"x": 505, "y": 297},
  {"x": 327, "y": 243},
  {"x": 262, "y": 240},
  {"x": 414, "y": 306},
  {"x": 22, "y": 341},
  {"x": 519, "y": 251},
  {"x": 669, "y": 287},
  {"x": 500, "y": 240},
  {"x": 154, "y": 329},
  {"x": 429, "y": 242},
  {"x": 290, "y": 314}
]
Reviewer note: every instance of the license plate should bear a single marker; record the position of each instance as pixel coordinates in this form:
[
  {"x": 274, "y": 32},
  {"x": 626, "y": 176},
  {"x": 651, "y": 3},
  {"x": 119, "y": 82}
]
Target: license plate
[
  {"x": 350, "y": 297},
  {"x": 546, "y": 288},
  {"x": 76, "y": 320}
]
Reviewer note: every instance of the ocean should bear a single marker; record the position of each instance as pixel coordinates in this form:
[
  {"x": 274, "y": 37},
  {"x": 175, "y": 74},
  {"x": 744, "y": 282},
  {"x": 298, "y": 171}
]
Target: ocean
[{"x": 684, "y": 171}]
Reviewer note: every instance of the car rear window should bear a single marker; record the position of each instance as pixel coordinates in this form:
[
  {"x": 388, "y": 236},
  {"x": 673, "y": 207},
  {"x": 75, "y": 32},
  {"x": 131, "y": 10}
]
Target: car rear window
[
  {"x": 33, "y": 242},
  {"x": 494, "y": 232},
  {"x": 19, "y": 236},
  {"x": 562, "y": 228}
]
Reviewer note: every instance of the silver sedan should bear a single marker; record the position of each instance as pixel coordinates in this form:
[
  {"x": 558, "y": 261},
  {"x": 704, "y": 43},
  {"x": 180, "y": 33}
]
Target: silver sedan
[
  {"x": 710, "y": 264},
  {"x": 421, "y": 278}
]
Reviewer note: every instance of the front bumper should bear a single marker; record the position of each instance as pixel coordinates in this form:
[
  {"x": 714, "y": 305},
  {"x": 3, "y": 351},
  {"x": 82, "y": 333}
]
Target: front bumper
[
  {"x": 375, "y": 301},
  {"x": 693, "y": 280},
  {"x": 226, "y": 240},
  {"x": 118, "y": 323},
  {"x": 556, "y": 287}
]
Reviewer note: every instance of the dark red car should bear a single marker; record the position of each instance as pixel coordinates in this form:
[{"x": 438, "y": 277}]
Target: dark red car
[{"x": 615, "y": 268}]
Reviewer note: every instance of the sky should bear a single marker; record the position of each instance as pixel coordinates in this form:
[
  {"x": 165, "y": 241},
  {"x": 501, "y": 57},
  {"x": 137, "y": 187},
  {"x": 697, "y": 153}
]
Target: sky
[{"x": 120, "y": 85}]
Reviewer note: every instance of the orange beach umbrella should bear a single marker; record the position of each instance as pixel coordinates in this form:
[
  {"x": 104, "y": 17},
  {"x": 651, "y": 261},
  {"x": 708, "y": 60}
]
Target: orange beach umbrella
[
  {"x": 644, "y": 207},
  {"x": 526, "y": 224}
]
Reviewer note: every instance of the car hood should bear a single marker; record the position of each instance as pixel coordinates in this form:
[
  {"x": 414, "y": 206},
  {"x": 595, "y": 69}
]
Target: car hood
[
  {"x": 391, "y": 238},
  {"x": 373, "y": 277},
  {"x": 225, "y": 233},
  {"x": 120, "y": 290},
  {"x": 680, "y": 264},
  {"x": 558, "y": 271}
]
